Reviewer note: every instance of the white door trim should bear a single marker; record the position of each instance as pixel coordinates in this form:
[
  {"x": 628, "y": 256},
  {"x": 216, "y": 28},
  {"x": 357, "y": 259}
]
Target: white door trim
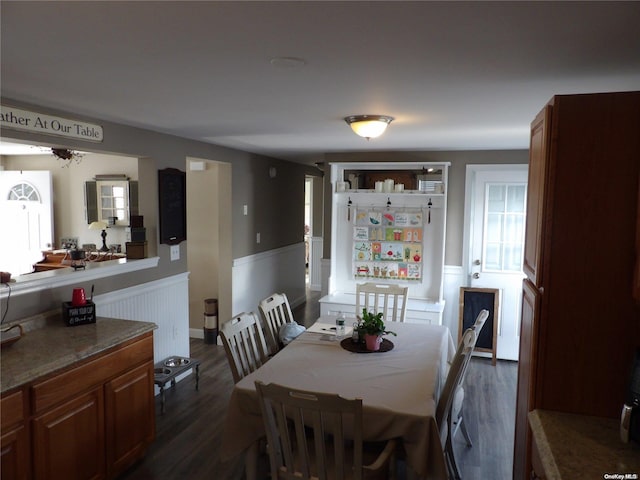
[
  {"x": 476, "y": 175},
  {"x": 468, "y": 199}
]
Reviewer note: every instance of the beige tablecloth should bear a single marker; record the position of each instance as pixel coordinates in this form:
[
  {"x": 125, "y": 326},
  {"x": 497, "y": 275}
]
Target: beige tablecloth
[{"x": 399, "y": 389}]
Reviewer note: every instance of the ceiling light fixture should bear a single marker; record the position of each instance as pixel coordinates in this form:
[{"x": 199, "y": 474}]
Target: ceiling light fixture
[{"x": 368, "y": 126}]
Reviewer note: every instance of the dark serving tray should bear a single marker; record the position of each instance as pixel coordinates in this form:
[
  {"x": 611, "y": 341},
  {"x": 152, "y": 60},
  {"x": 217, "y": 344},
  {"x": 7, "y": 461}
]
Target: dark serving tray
[{"x": 348, "y": 345}]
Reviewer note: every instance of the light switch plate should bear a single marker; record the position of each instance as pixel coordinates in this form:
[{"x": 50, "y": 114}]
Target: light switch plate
[{"x": 175, "y": 252}]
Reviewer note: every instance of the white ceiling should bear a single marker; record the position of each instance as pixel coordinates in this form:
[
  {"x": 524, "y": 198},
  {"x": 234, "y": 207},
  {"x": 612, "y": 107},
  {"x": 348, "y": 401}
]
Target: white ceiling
[{"x": 455, "y": 75}]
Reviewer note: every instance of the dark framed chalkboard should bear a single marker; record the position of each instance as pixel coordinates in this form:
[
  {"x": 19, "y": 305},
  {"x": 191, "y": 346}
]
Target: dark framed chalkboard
[
  {"x": 173, "y": 205},
  {"x": 472, "y": 301}
]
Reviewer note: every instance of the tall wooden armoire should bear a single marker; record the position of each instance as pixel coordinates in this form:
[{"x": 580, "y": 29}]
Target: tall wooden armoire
[{"x": 580, "y": 311}]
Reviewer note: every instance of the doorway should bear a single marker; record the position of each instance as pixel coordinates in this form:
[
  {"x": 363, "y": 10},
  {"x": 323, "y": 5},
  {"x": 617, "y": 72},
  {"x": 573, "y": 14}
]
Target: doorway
[
  {"x": 26, "y": 205},
  {"x": 495, "y": 215},
  {"x": 308, "y": 226},
  {"x": 209, "y": 232}
]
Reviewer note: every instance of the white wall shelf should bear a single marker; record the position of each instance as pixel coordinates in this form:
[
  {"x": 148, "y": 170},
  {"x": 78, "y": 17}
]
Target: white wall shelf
[{"x": 426, "y": 302}]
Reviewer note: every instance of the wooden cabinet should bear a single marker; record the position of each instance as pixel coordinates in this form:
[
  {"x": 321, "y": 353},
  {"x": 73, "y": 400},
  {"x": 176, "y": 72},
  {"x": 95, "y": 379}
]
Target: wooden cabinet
[
  {"x": 68, "y": 441},
  {"x": 526, "y": 372},
  {"x": 580, "y": 322},
  {"x": 538, "y": 151},
  {"x": 130, "y": 418},
  {"x": 91, "y": 421},
  {"x": 14, "y": 448},
  {"x": 636, "y": 275}
]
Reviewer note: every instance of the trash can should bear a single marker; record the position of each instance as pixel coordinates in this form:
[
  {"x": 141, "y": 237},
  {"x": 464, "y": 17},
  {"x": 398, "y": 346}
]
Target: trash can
[{"x": 211, "y": 321}]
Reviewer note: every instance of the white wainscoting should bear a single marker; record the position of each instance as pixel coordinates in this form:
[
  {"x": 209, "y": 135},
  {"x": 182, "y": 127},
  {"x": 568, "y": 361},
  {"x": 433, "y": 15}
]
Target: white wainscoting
[
  {"x": 315, "y": 267},
  {"x": 255, "y": 277},
  {"x": 164, "y": 302},
  {"x": 453, "y": 280}
]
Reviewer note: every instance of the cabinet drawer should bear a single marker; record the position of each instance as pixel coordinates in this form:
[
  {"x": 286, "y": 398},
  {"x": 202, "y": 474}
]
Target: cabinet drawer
[
  {"x": 91, "y": 373},
  {"x": 12, "y": 409}
]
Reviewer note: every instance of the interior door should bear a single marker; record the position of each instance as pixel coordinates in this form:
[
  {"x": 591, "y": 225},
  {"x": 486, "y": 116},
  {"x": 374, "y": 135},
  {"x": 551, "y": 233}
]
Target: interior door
[
  {"x": 26, "y": 214},
  {"x": 498, "y": 213}
]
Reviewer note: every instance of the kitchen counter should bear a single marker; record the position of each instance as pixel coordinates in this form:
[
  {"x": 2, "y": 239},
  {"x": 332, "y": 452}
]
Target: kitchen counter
[
  {"x": 48, "y": 346},
  {"x": 577, "y": 446}
]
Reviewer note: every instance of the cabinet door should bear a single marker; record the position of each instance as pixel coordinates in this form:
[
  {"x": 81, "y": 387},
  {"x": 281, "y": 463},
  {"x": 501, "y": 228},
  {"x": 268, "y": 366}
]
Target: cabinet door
[
  {"x": 526, "y": 379},
  {"x": 538, "y": 164},
  {"x": 14, "y": 446},
  {"x": 636, "y": 272},
  {"x": 69, "y": 440},
  {"x": 15, "y": 454},
  {"x": 130, "y": 417}
]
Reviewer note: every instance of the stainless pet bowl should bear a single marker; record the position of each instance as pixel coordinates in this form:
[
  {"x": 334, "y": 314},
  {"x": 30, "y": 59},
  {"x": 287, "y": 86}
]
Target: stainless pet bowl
[{"x": 176, "y": 362}]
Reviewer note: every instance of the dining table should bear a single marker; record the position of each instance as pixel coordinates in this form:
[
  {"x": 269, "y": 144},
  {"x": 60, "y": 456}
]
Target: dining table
[{"x": 399, "y": 389}]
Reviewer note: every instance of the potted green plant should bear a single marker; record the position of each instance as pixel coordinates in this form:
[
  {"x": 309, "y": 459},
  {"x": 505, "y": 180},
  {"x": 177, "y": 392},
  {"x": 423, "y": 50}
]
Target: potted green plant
[{"x": 372, "y": 327}]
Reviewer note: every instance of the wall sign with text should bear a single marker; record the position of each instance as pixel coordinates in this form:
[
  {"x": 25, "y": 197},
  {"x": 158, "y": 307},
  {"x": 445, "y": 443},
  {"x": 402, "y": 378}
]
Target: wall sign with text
[{"x": 25, "y": 120}]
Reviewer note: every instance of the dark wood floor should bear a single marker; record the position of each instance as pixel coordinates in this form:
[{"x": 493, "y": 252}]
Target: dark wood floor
[{"x": 189, "y": 434}]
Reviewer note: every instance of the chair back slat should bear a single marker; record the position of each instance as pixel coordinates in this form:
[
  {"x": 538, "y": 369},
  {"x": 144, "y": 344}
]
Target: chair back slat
[
  {"x": 275, "y": 312},
  {"x": 456, "y": 370},
  {"x": 244, "y": 344},
  {"x": 295, "y": 413},
  {"x": 387, "y": 298}
]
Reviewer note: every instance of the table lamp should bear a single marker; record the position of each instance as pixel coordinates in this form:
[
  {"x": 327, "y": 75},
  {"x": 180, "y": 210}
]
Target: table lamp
[{"x": 101, "y": 226}]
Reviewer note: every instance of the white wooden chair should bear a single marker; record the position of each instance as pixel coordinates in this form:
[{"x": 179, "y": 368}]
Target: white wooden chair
[
  {"x": 444, "y": 413},
  {"x": 387, "y": 298},
  {"x": 307, "y": 439},
  {"x": 275, "y": 311},
  {"x": 458, "y": 399},
  {"x": 244, "y": 344}
]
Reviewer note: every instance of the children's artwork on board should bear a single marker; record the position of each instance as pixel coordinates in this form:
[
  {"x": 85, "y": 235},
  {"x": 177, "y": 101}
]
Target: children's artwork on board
[
  {"x": 361, "y": 269},
  {"x": 362, "y": 251},
  {"x": 376, "y": 250},
  {"x": 361, "y": 233},
  {"x": 413, "y": 271},
  {"x": 402, "y": 270},
  {"x": 362, "y": 217},
  {"x": 375, "y": 218},
  {"x": 392, "y": 234},
  {"x": 415, "y": 253},
  {"x": 415, "y": 219},
  {"x": 393, "y": 270},
  {"x": 391, "y": 251},
  {"x": 376, "y": 234},
  {"x": 402, "y": 219},
  {"x": 387, "y": 244}
]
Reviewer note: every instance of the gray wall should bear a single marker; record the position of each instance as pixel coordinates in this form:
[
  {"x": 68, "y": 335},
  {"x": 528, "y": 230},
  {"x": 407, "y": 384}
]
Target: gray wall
[
  {"x": 278, "y": 203},
  {"x": 455, "y": 195}
]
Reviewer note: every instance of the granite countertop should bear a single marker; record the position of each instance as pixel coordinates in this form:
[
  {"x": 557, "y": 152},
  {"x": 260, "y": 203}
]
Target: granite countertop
[
  {"x": 579, "y": 446},
  {"x": 48, "y": 345}
]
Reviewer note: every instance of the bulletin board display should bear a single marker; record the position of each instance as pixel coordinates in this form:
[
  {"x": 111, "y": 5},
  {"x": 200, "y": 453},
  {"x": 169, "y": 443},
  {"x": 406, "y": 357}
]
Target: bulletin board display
[{"x": 388, "y": 244}]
